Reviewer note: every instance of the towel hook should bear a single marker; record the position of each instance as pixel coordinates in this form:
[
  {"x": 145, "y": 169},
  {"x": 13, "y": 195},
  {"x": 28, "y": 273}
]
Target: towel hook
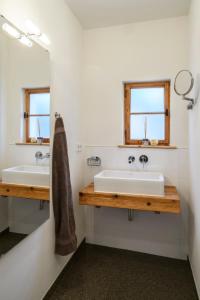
[{"x": 57, "y": 115}]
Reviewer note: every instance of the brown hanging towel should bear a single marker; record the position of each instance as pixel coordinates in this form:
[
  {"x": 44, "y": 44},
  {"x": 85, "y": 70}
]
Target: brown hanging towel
[{"x": 65, "y": 236}]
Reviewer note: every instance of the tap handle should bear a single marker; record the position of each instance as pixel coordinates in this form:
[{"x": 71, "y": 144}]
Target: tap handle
[
  {"x": 38, "y": 155},
  {"x": 131, "y": 159},
  {"x": 143, "y": 159}
]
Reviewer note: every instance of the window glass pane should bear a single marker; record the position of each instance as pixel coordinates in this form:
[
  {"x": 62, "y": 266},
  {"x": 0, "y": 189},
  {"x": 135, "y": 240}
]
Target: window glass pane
[
  {"x": 40, "y": 122},
  {"x": 147, "y": 100},
  {"x": 155, "y": 127},
  {"x": 40, "y": 103}
]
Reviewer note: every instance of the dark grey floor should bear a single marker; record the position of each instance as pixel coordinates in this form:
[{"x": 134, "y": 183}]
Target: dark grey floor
[
  {"x": 97, "y": 273},
  {"x": 8, "y": 240}
]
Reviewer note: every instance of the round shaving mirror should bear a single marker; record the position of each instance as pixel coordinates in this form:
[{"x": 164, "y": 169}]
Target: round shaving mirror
[{"x": 183, "y": 85}]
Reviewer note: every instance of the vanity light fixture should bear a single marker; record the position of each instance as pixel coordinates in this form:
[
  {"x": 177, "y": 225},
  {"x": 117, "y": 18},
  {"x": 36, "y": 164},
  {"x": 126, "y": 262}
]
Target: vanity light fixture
[
  {"x": 11, "y": 30},
  {"x": 25, "y": 41},
  {"x": 34, "y": 31},
  {"x": 44, "y": 39},
  {"x": 32, "y": 28}
]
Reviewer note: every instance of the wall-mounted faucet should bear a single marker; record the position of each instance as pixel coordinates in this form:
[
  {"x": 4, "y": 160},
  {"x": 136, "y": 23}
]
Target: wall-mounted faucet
[
  {"x": 143, "y": 159},
  {"x": 40, "y": 156},
  {"x": 131, "y": 159}
]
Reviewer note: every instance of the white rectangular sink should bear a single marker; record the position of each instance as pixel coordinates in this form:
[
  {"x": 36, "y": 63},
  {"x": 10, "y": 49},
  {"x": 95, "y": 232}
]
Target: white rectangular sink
[
  {"x": 129, "y": 182},
  {"x": 27, "y": 175}
]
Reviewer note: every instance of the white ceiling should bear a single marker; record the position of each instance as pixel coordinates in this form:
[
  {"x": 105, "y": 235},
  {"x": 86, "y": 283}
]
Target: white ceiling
[{"x": 102, "y": 13}]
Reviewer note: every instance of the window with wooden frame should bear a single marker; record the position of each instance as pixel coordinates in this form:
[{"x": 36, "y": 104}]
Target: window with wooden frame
[
  {"x": 147, "y": 112},
  {"x": 37, "y": 114}
]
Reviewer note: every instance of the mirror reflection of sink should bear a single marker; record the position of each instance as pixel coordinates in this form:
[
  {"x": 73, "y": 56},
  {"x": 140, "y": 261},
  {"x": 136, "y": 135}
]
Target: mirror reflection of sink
[
  {"x": 27, "y": 175},
  {"x": 129, "y": 182}
]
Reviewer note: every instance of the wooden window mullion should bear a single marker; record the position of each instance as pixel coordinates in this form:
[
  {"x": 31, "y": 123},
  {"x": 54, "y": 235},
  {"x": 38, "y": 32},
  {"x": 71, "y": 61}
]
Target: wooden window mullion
[
  {"x": 167, "y": 116},
  {"x": 27, "y": 108},
  {"x": 149, "y": 113},
  {"x": 127, "y": 116}
]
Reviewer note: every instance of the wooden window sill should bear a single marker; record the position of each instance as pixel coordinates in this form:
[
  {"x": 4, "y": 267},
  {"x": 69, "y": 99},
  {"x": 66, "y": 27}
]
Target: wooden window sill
[
  {"x": 151, "y": 147},
  {"x": 33, "y": 144}
]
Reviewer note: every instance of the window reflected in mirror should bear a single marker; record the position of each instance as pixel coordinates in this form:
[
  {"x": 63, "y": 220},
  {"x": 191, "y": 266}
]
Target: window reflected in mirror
[{"x": 37, "y": 115}]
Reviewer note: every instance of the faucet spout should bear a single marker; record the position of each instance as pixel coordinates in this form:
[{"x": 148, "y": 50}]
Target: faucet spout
[
  {"x": 144, "y": 160},
  {"x": 40, "y": 156}
]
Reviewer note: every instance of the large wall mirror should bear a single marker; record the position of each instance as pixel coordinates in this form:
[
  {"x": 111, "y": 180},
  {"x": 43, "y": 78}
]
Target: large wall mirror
[{"x": 24, "y": 135}]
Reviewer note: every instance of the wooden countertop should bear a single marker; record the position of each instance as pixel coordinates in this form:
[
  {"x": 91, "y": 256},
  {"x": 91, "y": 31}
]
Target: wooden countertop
[
  {"x": 24, "y": 191},
  {"x": 169, "y": 203}
]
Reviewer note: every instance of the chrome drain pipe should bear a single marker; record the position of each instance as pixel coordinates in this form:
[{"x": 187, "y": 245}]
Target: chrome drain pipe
[{"x": 130, "y": 215}]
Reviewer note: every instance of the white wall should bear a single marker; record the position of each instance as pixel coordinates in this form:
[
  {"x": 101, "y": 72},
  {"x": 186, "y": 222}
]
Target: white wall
[
  {"x": 3, "y": 128},
  {"x": 194, "y": 144},
  {"x": 25, "y": 215},
  {"x": 4, "y": 214},
  {"x": 34, "y": 256},
  {"x": 136, "y": 52}
]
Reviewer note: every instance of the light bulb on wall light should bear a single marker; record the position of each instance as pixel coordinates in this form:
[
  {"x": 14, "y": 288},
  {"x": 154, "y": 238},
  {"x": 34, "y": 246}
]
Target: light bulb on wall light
[
  {"x": 44, "y": 39},
  {"x": 35, "y": 31},
  {"x": 32, "y": 28},
  {"x": 16, "y": 34},
  {"x": 25, "y": 41},
  {"x": 11, "y": 30}
]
